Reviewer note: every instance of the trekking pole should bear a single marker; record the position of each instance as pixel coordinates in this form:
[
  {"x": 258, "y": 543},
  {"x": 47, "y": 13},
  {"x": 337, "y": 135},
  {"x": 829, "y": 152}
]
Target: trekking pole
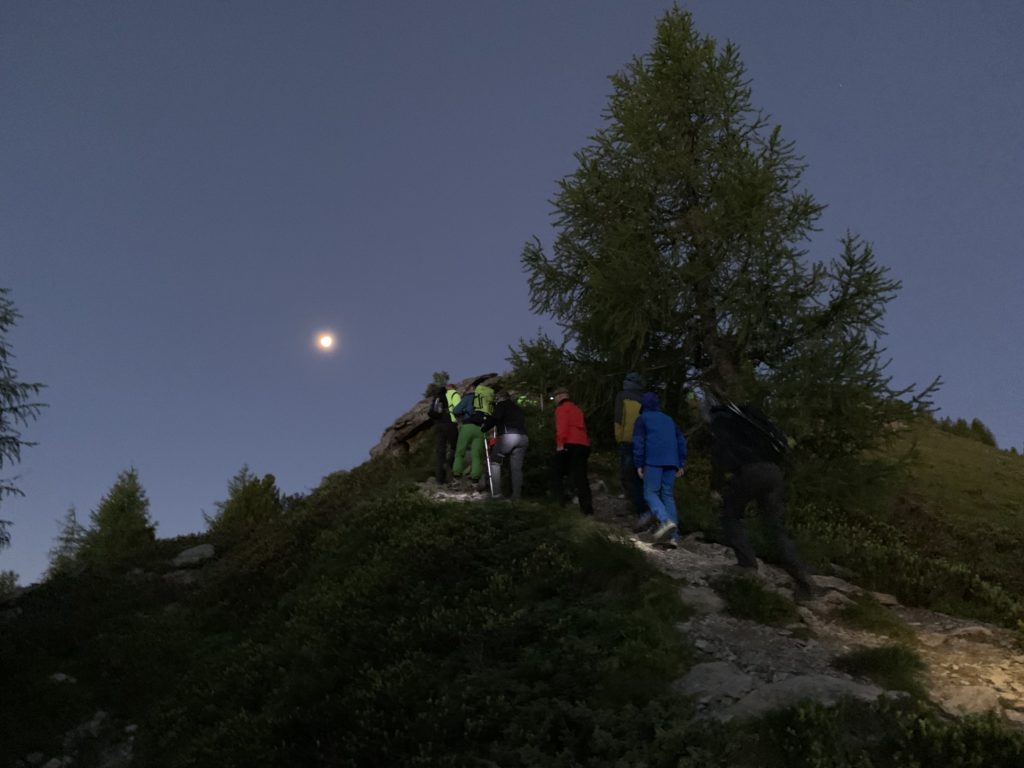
[{"x": 487, "y": 458}]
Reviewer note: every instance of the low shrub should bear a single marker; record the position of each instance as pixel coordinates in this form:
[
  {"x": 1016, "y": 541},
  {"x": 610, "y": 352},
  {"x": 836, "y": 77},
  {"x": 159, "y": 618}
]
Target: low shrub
[
  {"x": 895, "y": 667},
  {"x": 866, "y": 613},
  {"x": 747, "y": 598}
]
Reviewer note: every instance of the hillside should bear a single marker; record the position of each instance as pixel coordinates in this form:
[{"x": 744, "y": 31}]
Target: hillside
[
  {"x": 374, "y": 625},
  {"x": 967, "y": 498}
]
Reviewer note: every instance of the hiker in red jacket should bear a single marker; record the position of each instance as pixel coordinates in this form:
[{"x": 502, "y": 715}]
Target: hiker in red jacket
[{"x": 572, "y": 449}]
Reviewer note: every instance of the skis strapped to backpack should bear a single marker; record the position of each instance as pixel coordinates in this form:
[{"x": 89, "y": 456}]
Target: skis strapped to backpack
[{"x": 770, "y": 440}]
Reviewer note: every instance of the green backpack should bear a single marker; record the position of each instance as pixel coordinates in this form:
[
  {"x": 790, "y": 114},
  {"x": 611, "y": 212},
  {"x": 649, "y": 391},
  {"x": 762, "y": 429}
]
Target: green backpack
[{"x": 483, "y": 399}]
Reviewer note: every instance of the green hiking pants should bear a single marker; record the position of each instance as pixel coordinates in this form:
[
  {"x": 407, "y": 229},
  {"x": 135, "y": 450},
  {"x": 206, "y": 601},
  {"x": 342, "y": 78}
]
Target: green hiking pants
[{"x": 472, "y": 437}]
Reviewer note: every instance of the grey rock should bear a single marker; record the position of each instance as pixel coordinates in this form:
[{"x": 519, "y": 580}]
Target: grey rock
[
  {"x": 967, "y": 699},
  {"x": 1013, "y": 716},
  {"x": 884, "y": 599},
  {"x": 822, "y": 689},
  {"x": 930, "y": 639},
  {"x": 35, "y": 758},
  {"x": 194, "y": 556},
  {"x": 60, "y": 677},
  {"x": 704, "y": 599},
  {"x": 970, "y": 633},
  {"x": 834, "y": 600},
  {"x": 841, "y": 572},
  {"x": 715, "y": 678},
  {"x": 836, "y": 584}
]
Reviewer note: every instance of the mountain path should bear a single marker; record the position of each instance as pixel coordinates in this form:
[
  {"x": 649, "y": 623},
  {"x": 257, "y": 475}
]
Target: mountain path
[{"x": 747, "y": 668}]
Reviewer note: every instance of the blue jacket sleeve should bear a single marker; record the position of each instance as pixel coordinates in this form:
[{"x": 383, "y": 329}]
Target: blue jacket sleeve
[
  {"x": 681, "y": 444},
  {"x": 639, "y": 442}
]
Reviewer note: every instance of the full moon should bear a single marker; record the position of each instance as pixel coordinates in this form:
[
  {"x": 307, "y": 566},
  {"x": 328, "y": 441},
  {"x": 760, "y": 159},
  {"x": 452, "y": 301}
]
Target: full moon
[{"x": 326, "y": 341}]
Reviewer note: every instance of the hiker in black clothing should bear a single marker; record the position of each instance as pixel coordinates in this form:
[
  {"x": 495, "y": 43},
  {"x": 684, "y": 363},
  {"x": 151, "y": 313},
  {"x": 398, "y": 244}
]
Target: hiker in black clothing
[
  {"x": 446, "y": 432},
  {"x": 510, "y": 422},
  {"x": 746, "y": 452}
]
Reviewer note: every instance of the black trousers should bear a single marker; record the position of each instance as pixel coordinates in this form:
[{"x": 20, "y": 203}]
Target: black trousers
[
  {"x": 446, "y": 434},
  {"x": 572, "y": 462},
  {"x": 763, "y": 483},
  {"x": 632, "y": 485}
]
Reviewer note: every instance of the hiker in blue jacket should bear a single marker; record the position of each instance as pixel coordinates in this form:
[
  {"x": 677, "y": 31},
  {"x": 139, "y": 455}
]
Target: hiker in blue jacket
[{"x": 659, "y": 453}]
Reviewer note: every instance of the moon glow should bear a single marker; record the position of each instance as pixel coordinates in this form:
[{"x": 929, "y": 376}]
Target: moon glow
[{"x": 325, "y": 341}]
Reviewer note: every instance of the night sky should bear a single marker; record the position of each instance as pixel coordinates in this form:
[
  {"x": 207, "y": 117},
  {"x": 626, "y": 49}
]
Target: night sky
[{"x": 191, "y": 190}]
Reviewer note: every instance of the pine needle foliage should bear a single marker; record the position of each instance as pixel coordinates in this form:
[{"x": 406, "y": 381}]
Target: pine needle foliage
[
  {"x": 252, "y": 502},
  {"x": 682, "y": 252},
  {"x": 64, "y": 556},
  {"x": 121, "y": 531},
  {"x": 18, "y": 406}
]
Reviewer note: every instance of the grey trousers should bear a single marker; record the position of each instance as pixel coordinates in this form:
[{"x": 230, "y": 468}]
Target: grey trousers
[{"x": 514, "y": 447}]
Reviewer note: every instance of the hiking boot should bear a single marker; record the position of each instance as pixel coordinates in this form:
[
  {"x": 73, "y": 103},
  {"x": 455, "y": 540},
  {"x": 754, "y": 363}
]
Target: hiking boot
[
  {"x": 671, "y": 544},
  {"x": 644, "y": 523},
  {"x": 665, "y": 531}
]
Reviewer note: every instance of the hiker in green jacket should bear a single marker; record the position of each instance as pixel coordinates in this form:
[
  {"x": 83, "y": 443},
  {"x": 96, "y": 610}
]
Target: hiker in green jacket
[{"x": 475, "y": 406}]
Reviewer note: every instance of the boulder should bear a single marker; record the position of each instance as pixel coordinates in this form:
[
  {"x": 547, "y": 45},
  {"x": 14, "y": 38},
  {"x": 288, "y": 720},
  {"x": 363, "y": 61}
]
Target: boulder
[
  {"x": 715, "y": 678},
  {"x": 821, "y": 689},
  {"x": 975, "y": 633},
  {"x": 967, "y": 699},
  {"x": 703, "y": 599},
  {"x": 193, "y": 556}
]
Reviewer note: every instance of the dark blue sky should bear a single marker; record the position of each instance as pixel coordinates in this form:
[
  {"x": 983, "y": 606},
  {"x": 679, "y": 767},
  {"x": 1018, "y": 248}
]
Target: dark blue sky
[{"x": 190, "y": 190}]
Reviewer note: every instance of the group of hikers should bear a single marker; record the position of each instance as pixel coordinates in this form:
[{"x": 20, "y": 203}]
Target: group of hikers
[{"x": 746, "y": 453}]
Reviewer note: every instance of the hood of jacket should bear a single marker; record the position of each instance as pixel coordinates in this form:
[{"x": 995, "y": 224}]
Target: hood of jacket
[
  {"x": 633, "y": 382},
  {"x": 650, "y": 402}
]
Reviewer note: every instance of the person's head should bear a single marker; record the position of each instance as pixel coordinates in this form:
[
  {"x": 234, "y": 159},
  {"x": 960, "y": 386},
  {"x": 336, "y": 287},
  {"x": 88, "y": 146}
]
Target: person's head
[
  {"x": 633, "y": 380},
  {"x": 650, "y": 402},
  {"x": 502, "y": 395},
  {"x": 560, "y": 394},
  {"x": 449, "y": 385}
]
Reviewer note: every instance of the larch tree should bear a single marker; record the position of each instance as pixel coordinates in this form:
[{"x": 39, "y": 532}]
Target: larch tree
[
  {"x": 120, "y": 530},
  {"x": 681, "y": 251},
  {"x": 18, "y": 407}
]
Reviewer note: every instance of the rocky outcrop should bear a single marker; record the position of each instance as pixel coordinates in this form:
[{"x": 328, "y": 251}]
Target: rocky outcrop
[
  {"x": 399, "y": 437},
  {"x": 193, "y": 556}
]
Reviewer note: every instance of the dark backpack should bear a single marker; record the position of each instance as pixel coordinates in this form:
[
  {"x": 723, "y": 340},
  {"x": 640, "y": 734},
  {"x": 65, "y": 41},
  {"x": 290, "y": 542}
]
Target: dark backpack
[
  {"x": 744, "y": 435},
  {"x": 438, "y": 410},
  {"x": 464, "y": 409}
]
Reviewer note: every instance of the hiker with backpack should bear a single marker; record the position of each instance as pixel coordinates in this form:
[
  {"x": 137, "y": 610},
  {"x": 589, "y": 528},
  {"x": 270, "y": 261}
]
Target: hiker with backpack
[
  {"x": 627, "y": 409},
  {"x": 572, "y": 450},
  {"x": 747, "y": 452},
  {"x": 509, "y": 421},
  {"x": 446, "y": 433},
  {"x": 475, "y": 406},
  {"x": 659, "y": 453}
]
